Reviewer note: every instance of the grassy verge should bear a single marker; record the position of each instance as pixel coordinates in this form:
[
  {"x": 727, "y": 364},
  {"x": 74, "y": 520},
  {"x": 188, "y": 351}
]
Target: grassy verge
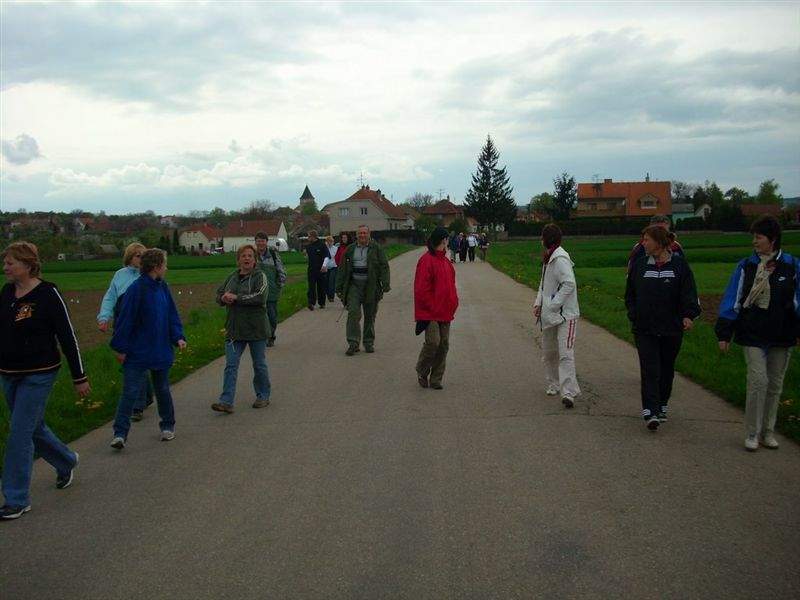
[
  {"x": 71, "y": 418},
  {"x": 601, "y": 291}
]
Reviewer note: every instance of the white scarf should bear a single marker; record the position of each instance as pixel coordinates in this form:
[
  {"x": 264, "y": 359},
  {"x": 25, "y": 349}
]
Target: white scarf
[{"x": 760, "y": 292}]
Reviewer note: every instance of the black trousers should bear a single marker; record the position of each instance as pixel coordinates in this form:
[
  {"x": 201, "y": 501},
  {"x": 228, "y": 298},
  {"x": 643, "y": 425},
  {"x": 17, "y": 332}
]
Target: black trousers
[
  {"x": 472, "y": 254},
  {"x": 657, "y": 354},
  {"x": 317, "y": 287}
]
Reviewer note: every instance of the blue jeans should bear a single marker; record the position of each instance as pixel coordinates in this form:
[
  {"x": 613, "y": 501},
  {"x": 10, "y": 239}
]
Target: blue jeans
[
  {"x": 332, "y": 283},
  {"x": 272, "y": 317},
  {"x": 233, "y": 354},
  {"x": 26, "y": 397},
  {"x": 133, "y": 383},
  {"x": 147, "y": 394}
]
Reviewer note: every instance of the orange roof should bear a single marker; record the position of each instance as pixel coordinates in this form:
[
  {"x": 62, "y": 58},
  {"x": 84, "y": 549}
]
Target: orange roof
[
  {"x": 623, "y": 189},
  {"x": 443, "y": 207},
  {"x": 379, "y": 200},
  {"x": 250, "y": 228},
  {"x": 753, "y": 210},
  {"x": 210, "y": 232}
]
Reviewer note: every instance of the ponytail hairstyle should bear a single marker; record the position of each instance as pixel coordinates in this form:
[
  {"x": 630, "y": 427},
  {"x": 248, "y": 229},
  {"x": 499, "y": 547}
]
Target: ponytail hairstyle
[{"x": 659, "y": 235}]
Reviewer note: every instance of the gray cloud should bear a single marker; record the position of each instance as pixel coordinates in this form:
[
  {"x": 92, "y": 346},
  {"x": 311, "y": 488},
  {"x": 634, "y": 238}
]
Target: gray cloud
[
  {"x": 614, "y": 84},
  {"x": 22, "y": 150}
]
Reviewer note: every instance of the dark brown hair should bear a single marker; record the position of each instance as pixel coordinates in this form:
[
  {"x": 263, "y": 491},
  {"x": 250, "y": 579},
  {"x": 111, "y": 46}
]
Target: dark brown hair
[
  {"x": 768, "y": 226},
  {"x": 659, "y": 235},
  {"x": 152, "y": 258},
  {"x": 27, "y": 254},
  {"x": 551, "y": 235}
]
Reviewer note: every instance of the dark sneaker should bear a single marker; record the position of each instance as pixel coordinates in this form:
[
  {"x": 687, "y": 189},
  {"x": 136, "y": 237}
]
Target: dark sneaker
[
  {"x": 7, "y": 513},
  {"x": 220, "y": 407},
  {"x": 653, "y": 423},
  {"x": 261, "y": 403},
  {"x": 436, "y": 386},
  {"x": 310, "y": 307},
  {"x": 270, "y": 342},
  {"x": 321, "y": 306},
  {"x": 118, "y": 443},
  {"x": 64, "y": 481},
  {"x": 352, "y": 349},
  {"x": 149, "y": 402},
  {"x": 662, "y": 417},
  {"x": 567, "y": 402},
  {"x": 369, "y": 348},
  {"x": 423, "y": 381},
  {"x": 137, "y": 415}
]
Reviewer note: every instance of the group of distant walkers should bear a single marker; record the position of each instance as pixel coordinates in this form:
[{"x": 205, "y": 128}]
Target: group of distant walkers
[
  {"x": 463, "y": 245},
  {"x": 760, "y": 311}
]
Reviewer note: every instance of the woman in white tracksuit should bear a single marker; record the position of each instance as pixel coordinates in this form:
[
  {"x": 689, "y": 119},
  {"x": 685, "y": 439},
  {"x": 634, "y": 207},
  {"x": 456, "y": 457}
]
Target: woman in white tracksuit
[{"x": 556, "y": 310}]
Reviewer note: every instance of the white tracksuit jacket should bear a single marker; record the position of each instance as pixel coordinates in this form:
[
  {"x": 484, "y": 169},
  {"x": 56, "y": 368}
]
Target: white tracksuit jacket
[{"x": 558, "y": 293}]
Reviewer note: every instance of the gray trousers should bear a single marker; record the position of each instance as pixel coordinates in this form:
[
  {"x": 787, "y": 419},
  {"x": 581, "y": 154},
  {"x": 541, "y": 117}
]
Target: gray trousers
[
  {"x": 765, "y": 371},
  {"x": 433, "y": 356}
]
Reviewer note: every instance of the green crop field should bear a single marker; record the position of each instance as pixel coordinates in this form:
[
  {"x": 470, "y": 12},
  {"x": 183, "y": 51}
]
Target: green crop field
[
  {"x": 203, "y": 323},
  {"x": 600, "y": 273}
]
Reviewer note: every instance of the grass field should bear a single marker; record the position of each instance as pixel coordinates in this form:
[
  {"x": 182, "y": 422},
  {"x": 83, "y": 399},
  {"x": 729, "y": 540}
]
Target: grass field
[
  {"x": 600, "y": 273},
  {"x": 193, "y": 281}
]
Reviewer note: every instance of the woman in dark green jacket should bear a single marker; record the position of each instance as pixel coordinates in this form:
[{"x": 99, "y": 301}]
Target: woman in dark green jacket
[{"x": 244, "y": 294}]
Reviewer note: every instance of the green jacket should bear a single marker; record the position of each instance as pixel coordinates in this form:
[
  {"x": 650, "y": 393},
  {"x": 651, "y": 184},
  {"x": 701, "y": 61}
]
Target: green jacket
[
  {"x": 276, "y": 274},
  {"x": 247, "y": 316},
  {"x": 377, "y": 273}
]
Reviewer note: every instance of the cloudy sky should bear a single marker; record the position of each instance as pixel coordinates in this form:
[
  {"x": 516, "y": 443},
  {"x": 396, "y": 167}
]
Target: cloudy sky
[{"x": 174, "y": 107}]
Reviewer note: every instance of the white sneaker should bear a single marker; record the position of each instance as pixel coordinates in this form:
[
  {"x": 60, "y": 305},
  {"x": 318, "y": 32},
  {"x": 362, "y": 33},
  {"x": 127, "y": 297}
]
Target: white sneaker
[
  {"x": 751, "y": 443},
  {"x": 167, "y": 435},
  {"x": 552, "y": 391},
  {"x": 118, "y": 443},
  {"x": 769, "y": 441}
]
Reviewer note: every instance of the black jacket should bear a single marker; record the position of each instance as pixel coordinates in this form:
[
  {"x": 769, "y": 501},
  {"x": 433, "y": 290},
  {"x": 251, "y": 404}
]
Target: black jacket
[
  {"x": 779, "y": 323},
  {"x": 29, "y": 327},
  {"x": 317, "y": 253},
  {"x": 659, "y": 298}
]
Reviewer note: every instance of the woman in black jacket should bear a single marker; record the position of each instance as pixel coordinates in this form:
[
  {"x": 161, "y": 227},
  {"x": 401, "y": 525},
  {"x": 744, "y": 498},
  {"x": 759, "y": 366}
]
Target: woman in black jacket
[
  {"x": 761, "y": 312},
  {"x": 33, "y": 316},
  {"x": 661, "y": 298}
]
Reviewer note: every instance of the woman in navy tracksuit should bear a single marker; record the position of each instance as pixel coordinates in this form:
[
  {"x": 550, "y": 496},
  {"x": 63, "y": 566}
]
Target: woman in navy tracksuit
[
  {"x": 761, "y": 312},
  {"x": 145, "y": 334},
  {"x": 661, "y": 298}
]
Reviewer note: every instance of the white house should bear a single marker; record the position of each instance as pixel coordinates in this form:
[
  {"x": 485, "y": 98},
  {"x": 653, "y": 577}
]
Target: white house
[
  {"x": 239, "y": 233},
  {"x": 199, "y": 238}
]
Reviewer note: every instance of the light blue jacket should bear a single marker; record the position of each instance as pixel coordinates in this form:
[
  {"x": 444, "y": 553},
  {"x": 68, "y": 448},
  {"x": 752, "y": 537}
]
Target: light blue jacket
[{"x": 119, "y": 284}]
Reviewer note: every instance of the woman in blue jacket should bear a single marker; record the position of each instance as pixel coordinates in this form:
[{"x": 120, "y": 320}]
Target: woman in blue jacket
[
  {"x": 112, "y": 302},
  {"x": 761, "y": 312},
  {"x": 146, "y": 331}
]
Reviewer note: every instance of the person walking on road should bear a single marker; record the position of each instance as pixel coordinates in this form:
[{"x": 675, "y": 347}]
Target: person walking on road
[
  {"x": 453, "y": 245},
  {"x": 760, "y": 311},
  {"x": 362, "y": 282},
  {"x": 111, "y": 303},
  {"x": 145, "y": 334},
  {"x": 317, "y": 279},
  {"x": 556, "y": 310},
  {"x": 661, "y": 300},
  {"x": 270, "y": 263},
  {"x": 638, "y": 248},
  {"x": 483, "y": 246},
  {"x": 472, "y": 244},
  {"x": 329, "y": 267},
  {"x": 34, "y": 322},
  {"x": 463, "y": 247},
  {"x": 344, "y": 242},
  {"x": 244, "y": 294},
  {"x": 435, "y": 304}
]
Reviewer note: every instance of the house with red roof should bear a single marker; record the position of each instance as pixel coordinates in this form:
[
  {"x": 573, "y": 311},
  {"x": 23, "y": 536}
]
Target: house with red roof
[
  {"x": 365, "y": 207},
  {"x": 444, "y": 211},
  {"x": 238, "y": 233},
  {"x": 624, "y": 198},
  {"x": 200, "y": 237}
]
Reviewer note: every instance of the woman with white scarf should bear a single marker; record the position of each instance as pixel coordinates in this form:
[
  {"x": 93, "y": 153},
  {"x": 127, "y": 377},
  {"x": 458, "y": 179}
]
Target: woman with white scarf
[{"x": 761, "y": 312}]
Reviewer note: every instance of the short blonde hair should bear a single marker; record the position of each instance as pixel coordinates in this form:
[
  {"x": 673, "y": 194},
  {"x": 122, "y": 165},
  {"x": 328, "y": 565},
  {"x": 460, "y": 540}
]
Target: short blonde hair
[
  {"x": 27, "y": 254},
  {"x": 130, "y": 252},
  {"x": 243, "y": 248},
  {"x": 329, "y": 238}
]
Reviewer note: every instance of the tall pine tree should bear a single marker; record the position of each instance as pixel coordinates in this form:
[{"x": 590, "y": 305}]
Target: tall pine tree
[{"x": 489, "y": 199}]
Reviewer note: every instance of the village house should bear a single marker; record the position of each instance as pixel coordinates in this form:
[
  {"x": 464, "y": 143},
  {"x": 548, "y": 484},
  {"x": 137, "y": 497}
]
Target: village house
[
  {"x": 365, "y": 207},
  {"x": 624, "y": 198},
  {"x": 169, "y": 221},
  {"x": 238, "y": 233},
  {"x": 199, "y": 238},
  {"x": 444, "y": 211}
]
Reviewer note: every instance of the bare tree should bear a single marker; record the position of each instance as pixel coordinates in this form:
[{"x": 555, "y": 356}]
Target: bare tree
[{"x": 418, "y": 201}]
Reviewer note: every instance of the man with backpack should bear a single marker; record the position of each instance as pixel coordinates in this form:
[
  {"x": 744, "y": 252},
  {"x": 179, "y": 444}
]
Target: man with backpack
[{"x": 269, "y": 261}]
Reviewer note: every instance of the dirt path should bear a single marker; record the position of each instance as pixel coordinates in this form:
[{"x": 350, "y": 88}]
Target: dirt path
[{"x": 356, "y": 483}]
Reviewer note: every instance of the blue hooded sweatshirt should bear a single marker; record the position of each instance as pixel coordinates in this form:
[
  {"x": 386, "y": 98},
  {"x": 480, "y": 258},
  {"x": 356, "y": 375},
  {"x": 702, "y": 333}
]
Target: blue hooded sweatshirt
[{"x": 148, "y": 326}]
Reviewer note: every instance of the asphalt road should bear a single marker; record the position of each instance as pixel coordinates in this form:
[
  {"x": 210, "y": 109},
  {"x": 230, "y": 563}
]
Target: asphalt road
[{"x": 357, "y": 483}]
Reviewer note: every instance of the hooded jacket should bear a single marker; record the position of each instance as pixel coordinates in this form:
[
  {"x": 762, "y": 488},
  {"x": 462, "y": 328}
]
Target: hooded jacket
[
  {"x": 247, "y": 316},
  {"x": 558, "y": 293},
  {"x": 779, "y": 323},
  {"x": 148, "y": 326},
  {"x": 435, "y": 296}
]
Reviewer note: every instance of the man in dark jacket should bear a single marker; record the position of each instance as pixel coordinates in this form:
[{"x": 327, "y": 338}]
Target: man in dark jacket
[
  {"x": 269, "y": 261},
  {"x": 362, "y": 281},
  {"x": 317, "y": 252}
]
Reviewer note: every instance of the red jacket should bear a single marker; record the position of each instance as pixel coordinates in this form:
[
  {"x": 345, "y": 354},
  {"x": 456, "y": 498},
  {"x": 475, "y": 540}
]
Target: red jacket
[
  {"x": 340, "y": 254},
  {"x": 435, "y": 296}
]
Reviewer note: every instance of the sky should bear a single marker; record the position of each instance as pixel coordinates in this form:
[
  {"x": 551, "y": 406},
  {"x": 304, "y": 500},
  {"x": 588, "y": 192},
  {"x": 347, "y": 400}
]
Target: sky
[{"x": 173, "y": 107}]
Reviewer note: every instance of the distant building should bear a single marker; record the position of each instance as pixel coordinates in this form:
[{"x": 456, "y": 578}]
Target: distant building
[
  {"x": 199, "y": 238},
  {"x": 169, "y": 221},
  {"x": 444, "y": 211},
  {"x": 624, "y": 199},
  {"x": 365, "y": 207},
  {"x": 683, "y": 210},
  {"x": 757, "y": 210},
  {"x": 306, "y": 198},
  {"x": 92, "y": 224},
  {"x": 239, "y": 233}
]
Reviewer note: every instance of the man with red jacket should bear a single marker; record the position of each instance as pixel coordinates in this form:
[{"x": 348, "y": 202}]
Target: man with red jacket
[{"x": 435, "y": 304}]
